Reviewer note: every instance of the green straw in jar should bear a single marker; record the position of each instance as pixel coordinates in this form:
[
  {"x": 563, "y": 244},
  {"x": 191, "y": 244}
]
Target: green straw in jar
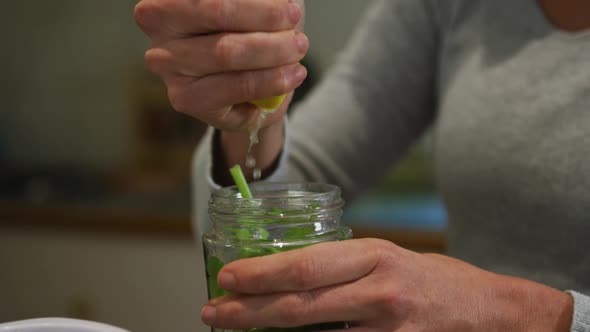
[{"x": 240, "y": 180}]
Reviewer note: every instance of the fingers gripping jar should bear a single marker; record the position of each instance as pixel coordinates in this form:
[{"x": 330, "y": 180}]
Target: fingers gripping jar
[{"x": 280, "y": 217}]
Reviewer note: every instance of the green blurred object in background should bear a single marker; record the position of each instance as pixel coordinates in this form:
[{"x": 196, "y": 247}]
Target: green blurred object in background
[{"x": 412, "y": 175}]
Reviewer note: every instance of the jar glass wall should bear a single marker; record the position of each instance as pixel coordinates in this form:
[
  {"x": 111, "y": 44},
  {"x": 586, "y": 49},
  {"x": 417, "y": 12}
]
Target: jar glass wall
[{"x": 281, "y": 217}]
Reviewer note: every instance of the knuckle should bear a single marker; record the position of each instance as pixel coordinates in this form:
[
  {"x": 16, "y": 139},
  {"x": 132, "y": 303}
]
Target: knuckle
[
  {"x": 387, "y": 302},
  {"x": 247, "y": 86},
  {"x": 217, "y": 12},
  {"x": 225, "y": 51},
  {"x": 252, "y": 277},
  {"x": 156, "y": 60},
  {"x": 305, "y": 270},
  {"x": 275, "y": 17},
  {"x": 229, "y": 312},
  {"x": 145, "y": 14},
  {"x": 396, "y": 301},
  {"x": 382, "y": 250},
  {"x": 394, "y": 297},
  {"x": 289, "y": 58},
  {"x": 281, "y": 81},
  {"x": 285, "y": 55}
]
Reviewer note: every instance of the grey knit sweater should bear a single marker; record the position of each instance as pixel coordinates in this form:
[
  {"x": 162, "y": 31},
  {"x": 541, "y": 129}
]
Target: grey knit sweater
[{"x": 507, "y": 98}]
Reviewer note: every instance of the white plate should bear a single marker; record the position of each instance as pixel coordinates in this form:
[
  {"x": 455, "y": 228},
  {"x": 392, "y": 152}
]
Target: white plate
[{"x": 57, "y": 325}]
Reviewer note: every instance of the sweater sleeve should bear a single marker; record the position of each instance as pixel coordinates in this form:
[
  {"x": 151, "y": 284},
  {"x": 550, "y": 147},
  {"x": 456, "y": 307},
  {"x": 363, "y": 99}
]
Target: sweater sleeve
[
  {"x": 374, "y": 103},
  {"x": 581, "y": 318}
]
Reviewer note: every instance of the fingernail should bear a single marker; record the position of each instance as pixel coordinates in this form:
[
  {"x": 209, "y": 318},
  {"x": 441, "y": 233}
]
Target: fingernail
[
  {"x": 294, "y": 12},
  {"x": 302, "y": 42},
  {"x": 300, "y": 73},
  {"x": 208, "y": 314},
  {"x": 226, "y": 280}
]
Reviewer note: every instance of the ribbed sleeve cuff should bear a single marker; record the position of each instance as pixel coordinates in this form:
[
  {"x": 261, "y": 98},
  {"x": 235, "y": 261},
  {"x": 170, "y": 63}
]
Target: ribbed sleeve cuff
[{"x": 581, "y": 319}]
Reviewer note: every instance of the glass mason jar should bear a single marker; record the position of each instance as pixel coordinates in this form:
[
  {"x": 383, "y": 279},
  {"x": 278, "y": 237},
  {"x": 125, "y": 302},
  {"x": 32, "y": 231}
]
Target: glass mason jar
[{"x": 281, "y": 217}]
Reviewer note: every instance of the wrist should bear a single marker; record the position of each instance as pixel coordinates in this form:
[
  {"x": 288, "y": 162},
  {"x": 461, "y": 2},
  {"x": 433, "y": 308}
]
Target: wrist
[{"x": 523, "y": 305}]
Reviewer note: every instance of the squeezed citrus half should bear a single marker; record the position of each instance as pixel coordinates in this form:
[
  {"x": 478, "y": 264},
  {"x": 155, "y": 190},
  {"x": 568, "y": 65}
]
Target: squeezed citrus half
[{"x": 270, "y": 103}]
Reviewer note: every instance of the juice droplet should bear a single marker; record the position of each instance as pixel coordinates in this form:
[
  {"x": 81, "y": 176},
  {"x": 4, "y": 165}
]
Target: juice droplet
[
  {"x": 250, "y": 160},
  {"x": 254, "y": 131},
  {"x": 257, "y": 174}
]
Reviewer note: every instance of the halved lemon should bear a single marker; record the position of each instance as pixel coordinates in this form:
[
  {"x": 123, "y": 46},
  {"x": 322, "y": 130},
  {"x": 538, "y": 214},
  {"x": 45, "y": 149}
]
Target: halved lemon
[{"x": 269, "y": 104}]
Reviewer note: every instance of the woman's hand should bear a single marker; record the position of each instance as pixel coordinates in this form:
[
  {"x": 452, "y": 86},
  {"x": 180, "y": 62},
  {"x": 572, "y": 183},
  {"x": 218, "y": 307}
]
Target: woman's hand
[
  {"x": 377, "y": 286},
  {"x": 215, "y": 55}
]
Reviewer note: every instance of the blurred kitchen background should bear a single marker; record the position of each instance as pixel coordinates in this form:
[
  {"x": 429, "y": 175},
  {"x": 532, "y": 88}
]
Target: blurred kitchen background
[{"x": 94, "y": 169}]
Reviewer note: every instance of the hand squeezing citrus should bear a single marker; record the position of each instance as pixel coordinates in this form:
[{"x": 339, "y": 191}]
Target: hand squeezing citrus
[{"x": 269, "y": 104}]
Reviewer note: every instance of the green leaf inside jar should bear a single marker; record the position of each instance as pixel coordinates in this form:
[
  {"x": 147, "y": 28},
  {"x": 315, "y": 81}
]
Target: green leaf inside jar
[{"x": 214, "y": 265}]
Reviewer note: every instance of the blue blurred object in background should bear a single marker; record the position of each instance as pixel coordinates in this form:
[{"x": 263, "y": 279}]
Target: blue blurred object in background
[{"x": 404, "y": 212}]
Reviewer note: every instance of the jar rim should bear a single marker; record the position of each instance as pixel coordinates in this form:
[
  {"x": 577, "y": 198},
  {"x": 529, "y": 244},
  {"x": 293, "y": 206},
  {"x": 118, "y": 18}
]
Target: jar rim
[
  {"x": 305, "y": 189},
  {"x": 321, "y": 195}
]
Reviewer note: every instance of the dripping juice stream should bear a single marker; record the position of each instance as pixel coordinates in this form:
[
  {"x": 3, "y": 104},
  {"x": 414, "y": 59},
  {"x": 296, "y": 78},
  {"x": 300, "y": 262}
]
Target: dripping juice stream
[{"x": 250, "y": 160}]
